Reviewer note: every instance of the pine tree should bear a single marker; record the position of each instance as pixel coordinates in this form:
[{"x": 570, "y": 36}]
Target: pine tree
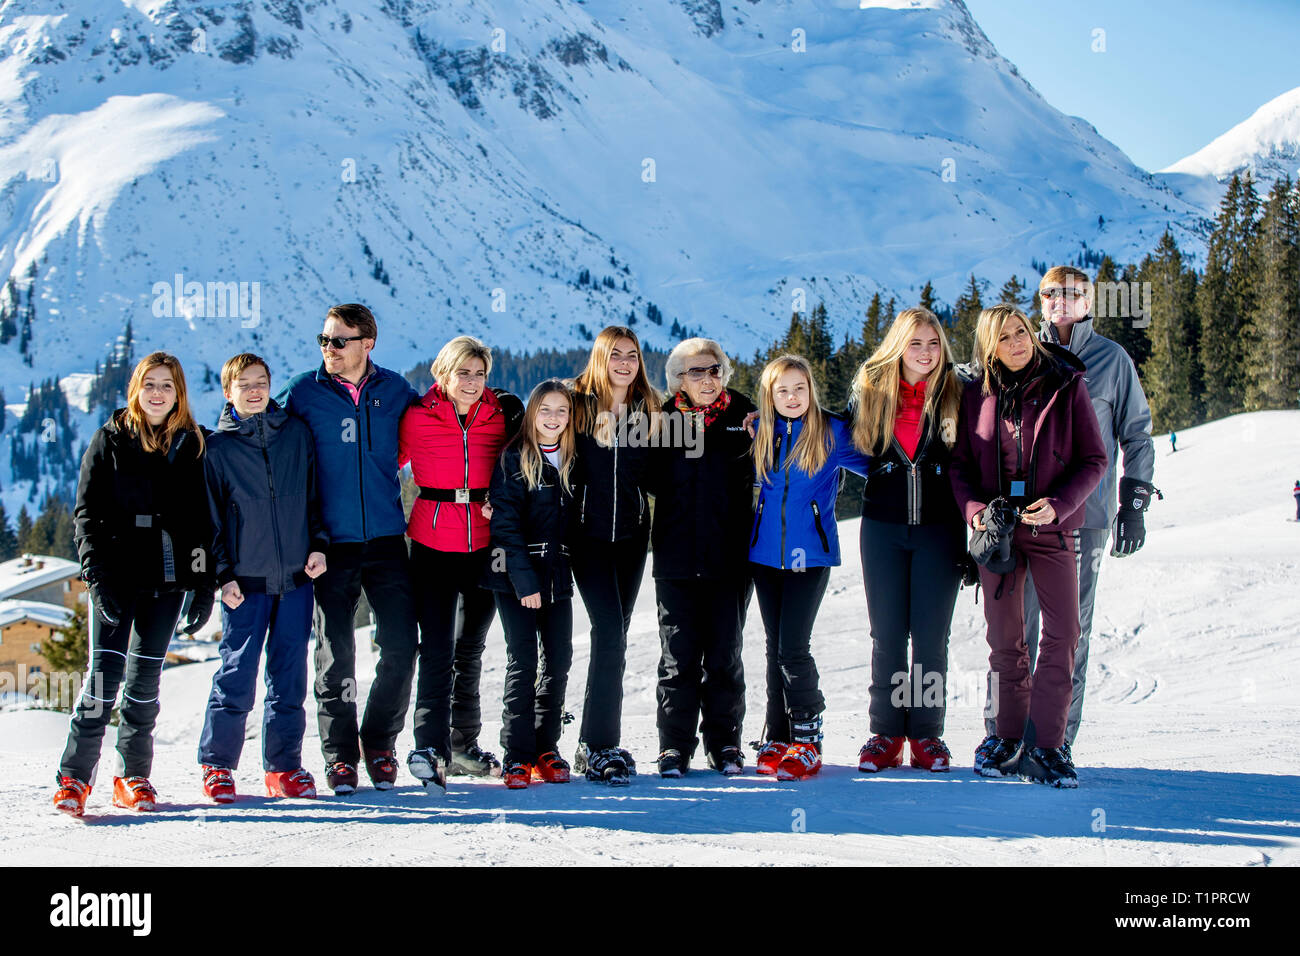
[
  {"x": 1012, "y": 293},
  {"x": 24, "y": 531},
  {"x": 8, "y": 539},
  {"x": 1224, "y": 300},
  {"x": 66, "y": 654},
  {"x": 1273, "y": 339},
  {"x": 1169, "y": 375},
  {"x": 872, "y": 333},
  {"x": 927, "y": 297},
  {"x": 966, "y": 314}
]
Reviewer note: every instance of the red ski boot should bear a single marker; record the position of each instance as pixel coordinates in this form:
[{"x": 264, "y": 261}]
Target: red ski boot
[
  {"x": 71, "y": 796},
  {"x": 930, "y": 753},
  {"x": 134, "y": 793},
  {"x": 551, "y": 768},
  {"x": 218, "y": 784},
  {"x": 516, "y": 775},
  {"x": 291, "y": 783},
  {"x": 800, "y": 760},
  {"x": 881, "y": 753},
  {"x": 769, "y": 756}
]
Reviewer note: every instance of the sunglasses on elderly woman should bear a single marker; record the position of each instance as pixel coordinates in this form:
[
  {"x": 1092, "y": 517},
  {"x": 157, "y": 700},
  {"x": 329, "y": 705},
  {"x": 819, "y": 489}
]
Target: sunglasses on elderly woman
[
  {"x": 698, "y": 374},
  {"x": 335, "y": 341}
]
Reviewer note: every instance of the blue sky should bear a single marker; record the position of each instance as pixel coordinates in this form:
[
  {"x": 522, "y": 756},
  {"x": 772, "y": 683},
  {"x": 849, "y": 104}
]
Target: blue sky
[{"x": 1174, "y": 75}]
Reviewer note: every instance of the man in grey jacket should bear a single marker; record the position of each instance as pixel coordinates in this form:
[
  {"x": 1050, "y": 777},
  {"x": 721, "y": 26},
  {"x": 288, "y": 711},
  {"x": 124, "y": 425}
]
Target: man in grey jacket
[{"x": 1067, "y": 295}]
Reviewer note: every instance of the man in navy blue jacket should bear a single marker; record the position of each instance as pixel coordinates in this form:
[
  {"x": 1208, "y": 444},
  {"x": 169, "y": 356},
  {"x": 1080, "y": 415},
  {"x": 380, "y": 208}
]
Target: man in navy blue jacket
[{"x": 353, "y": 408}]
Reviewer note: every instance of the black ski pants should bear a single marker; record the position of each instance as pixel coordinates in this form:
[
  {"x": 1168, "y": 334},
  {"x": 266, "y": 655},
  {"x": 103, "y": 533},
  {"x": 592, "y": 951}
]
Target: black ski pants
[
  {"x": 128, "y": 658},
  {"x": 788, "y": 602},
  {"x": 539, "y": 650},
  {"x": 911, "y": 574},
  {"x": 608, "y": 575},
  {"x": 381, "y": 568},
  {"x": 455, "y": 614},
  {"x": 701, "y": 625}
]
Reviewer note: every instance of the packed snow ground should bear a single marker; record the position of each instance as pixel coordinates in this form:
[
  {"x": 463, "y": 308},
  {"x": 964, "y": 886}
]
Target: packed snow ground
[{"x": 1185, "y": 754}]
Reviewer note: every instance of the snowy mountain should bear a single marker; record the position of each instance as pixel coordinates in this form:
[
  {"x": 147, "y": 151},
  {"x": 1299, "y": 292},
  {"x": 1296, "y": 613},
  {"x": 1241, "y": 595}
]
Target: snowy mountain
[
  {"x": 1191, "y": 689},
  {"x": 219, "y": 172},
  {"x": 1267, "y": 144}
]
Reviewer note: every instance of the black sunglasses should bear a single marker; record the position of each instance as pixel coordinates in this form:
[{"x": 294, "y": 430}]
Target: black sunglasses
[{"x": 339, "y": 343}]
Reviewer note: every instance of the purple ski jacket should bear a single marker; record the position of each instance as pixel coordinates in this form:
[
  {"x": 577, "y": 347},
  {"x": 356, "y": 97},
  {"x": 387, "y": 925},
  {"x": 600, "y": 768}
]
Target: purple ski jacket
[{"x": 1066, "y": 455}]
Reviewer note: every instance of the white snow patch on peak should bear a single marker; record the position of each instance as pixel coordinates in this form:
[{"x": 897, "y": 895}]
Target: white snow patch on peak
[
  {"x": 76, "y": 389},
  {"x": 65, "y": 154},
  {"x": 1272, "y": 133},
  {"x": 905, "y": 4}
]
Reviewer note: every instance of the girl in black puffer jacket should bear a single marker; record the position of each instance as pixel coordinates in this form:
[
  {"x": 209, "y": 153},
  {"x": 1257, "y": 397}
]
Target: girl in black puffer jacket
[
  {"x": 530, "y": 498},
  {"x": 613, "y": 403},
  {"x": 913, "y": 541},
  {"x": 142, "y": 534}
]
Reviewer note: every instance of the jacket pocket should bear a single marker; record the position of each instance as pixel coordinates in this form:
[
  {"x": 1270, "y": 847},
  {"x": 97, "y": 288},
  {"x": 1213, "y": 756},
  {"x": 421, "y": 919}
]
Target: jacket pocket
[
  {"x": 582, "y": 511},
  {"x": 437, "y": 507},
  {"x": 758, "y": 522},
  {"x": 233, "y": 522},
  {"x": 821, "y": 532}
]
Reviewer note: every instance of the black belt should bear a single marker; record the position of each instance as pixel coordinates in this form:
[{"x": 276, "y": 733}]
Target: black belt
[{"x": 459, "y": 496}]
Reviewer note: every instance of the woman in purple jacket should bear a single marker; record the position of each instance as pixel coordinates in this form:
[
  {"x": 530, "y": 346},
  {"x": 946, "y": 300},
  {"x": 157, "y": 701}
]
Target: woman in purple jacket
[{"x": 1027, "y": 435}]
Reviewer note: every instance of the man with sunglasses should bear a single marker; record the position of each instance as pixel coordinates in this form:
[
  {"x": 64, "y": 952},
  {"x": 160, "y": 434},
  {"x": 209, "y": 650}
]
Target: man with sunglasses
[
  {"x": 1067, "y": 297},
  {"x": 354, "y": 408}
]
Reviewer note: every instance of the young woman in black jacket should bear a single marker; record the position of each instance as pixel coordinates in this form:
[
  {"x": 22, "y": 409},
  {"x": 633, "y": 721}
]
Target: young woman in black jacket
[
  {"x": 612, "y": 402},
  {"x": 142, "y": 536},
  {"x": 530, "y": 498},
  {"x": 913, "y": 540}
]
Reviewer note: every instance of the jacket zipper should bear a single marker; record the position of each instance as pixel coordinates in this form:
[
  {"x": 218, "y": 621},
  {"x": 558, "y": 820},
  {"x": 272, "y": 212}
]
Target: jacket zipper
[
  {"x": 464, "y": 434},
  {"x": 758, "y": 522},
  {"x": 270, "y": 481},
  {"x": 785, "y": 488},
  {"x": 582, "y": 512},
  {"x": 613, "y": 526},
  {"x": 821, "y": 532},
  {"x": 361, "y": 465}
]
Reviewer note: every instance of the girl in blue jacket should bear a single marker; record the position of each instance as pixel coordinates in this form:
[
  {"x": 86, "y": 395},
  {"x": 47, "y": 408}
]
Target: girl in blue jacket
[{"x": 799, "y": 450}]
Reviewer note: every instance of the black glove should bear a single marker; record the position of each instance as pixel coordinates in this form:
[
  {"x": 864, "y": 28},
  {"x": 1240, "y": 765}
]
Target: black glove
[
  {"x": 201, "y": 601},
  {"x": 107, "y": 608},
  {"x": 1129, "y": 532}
]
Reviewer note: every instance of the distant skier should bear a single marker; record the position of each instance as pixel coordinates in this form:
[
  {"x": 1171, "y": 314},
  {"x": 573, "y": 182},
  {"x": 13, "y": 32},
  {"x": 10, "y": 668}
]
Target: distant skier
[
  {"x": 1173, "y": 441},
  {"x": 1296, "y": 491}
]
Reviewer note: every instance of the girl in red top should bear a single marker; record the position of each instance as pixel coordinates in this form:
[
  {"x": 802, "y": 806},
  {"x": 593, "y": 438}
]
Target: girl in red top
[
  {"x": 452, "y": 437},
  {"x": 905, "y": 402}
]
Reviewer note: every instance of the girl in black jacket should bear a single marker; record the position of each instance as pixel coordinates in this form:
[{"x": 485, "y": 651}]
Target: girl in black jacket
[
  {"x": 142, "y": 535},
  {"x": 913, "y": 540},
  {"x": 530, "y": 495},
  {"x": 613, "y": 402}
]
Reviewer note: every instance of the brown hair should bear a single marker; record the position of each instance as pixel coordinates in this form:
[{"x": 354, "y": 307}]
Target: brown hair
[
  {"x": 594, "y": 380},
  {"x": 356, "y": 317},
  {"x": 875, "y": 387},
  {"x": 235, "y": 366},
  {"x": 179, "y": 419},
  {"x": 530, "y": 450}
]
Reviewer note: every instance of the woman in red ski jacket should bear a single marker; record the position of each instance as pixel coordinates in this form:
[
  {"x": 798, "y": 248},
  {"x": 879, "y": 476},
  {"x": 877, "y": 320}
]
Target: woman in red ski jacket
[{"x": 453, "y": 437}]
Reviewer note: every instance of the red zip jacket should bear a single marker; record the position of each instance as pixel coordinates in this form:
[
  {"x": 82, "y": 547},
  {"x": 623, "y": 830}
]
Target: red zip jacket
[{"x": 444, "y": 455}]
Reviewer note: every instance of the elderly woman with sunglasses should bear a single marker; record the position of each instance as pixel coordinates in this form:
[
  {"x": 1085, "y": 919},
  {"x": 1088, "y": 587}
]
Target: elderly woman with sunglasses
[{"x": 701, "y": 475}]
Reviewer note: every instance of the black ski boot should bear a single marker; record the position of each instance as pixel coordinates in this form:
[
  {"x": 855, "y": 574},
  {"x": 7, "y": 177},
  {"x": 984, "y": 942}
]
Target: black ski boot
[
  {"x": 429, "y": 767},
  {"x": 728, "y": 761},
  {"x": 607, "y": 766},
  {"x": 475, "y": 762},
  {"x": 1048, "y": 765},
  {"x": 999, "y": 756},
  {"x": 673, "y": 763}
]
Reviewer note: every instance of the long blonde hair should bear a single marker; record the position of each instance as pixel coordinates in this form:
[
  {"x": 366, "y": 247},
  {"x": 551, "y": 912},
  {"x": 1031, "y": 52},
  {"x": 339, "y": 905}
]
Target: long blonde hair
[
  {"x": 179, "y": 419},
  {"x": 594, "y": 380},
  {"x": 875, "y": 387},
  {"x": 987, "y": 331},
  {"x": 815, "y": 441},
  {"x": 530, "y": 451}
]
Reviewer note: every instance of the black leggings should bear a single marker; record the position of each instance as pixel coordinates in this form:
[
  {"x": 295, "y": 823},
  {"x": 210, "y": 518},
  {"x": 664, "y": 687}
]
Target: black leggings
[
  {"x": 539, "y": 650},
  {"x": 788, "y": 602},
  {"x": 129, "y": 658},
  {"x": 608, "y": 575},
  {"x": 911, "y": 574},
  {"x": 454, "y": 614}
]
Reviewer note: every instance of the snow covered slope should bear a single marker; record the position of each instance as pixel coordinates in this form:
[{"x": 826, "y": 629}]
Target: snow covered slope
[
  {"x": 1267, "y": 144},
  {"x": 1183, "y": 753},
  {"x": 458, "y": 164}
]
